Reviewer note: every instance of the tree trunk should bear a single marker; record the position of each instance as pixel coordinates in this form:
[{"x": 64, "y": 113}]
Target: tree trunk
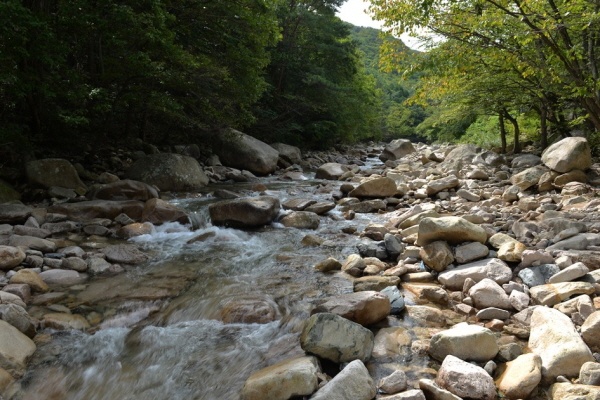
[
  {"x": 513, "y": 121},
  {"x": 502, "y": 132},
  {"x": 544, "y": 126}
]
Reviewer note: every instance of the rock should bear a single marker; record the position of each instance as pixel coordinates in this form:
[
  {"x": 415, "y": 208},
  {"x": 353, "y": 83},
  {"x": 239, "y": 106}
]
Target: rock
[
  {"x": 590, "y": 374},
  {"x": 397, "y": 149},
  {"x": 62, "y": 277},
  {"x": 54, "y": 172},
  {"x": 379, "y": 187},
  {"x": 376, "y": 283},
  {"x": 535, "y": 257},
  {"x": 15, "y": 349},
  {"x": 98, "y": 266},
  {"x": 492, "y": 268},
  {"x": 575, "y": 175},
  {"x": 568, "y": 154},
  {"x": 251, "y": 310},
  {"x": 518, "y": 300},
  {"x": 491, "y": 313},
  {"x": 438, "y": 185},
  {"x": 487, "y": 293},
  {"x": 430, "y": 292},
  {"x": 10, "y": 257},
  {"x": 297, "y": 204},
  {"x": 14, "y": 213},
  {"x": 247, "y": 212},
  {"x": 291, "y": 154},
  {"x": 22, "y": 290},
  {"x": 157, "y": 211},
  {"x": 43, "y": 245},
  {"x": 365, "y": 308},
  {"x": 396, "y": 299},
  {"x": 525, "y": 161},
  {"x": 18, "y": 317},
  {"x": 393, "y": 383},
  {"x": 539, "y": 275},
  {"x": 366, "y": 206},
  {"x": 437, "y": 255},
  {"x": 74, "y": 263},
  {"x": 284, "y": 380},
  {"x": 511, "y": 251},
  {"x": 63, "y": 321},
  {"x": 554, "y": 338},
  {"x": 467, "y": 342},
  {"x": 354, "y": 265},
  {"x": 450, "y": 229},
  {"x": 168, "y": 172},
  {"x": 470, "y": 251},
  {"x": 590, "y": 331},
  {"x": 468, "y": 195},
  {"x": 336, "y": 339},
  {"x": 465, "y": 380},
  {"x": 520, "y": 377},
  {"x": 528, "y": 178},
  {"x": 390, "y": 344},
  {"x": 22, "y": 230},
  {"x": 88, "y": 210},
  {"x": 393, "y": 245},
  {"x": 353, "y": 382},
  {"x": 570, "y": 273},
  {"x": 300, "y": 220},
  {"x": 135, "y": 229},
  {"x": 239, "y": 150},
  {"x": 124, "y": 254},
  {"x": 331, "y": 171},
  {"x": 425, "y": 315},
  {"x": 569, "y": 391},
  {"x": 551, "y": 294},
  {"x": 434, "y": 392},
  {"x": 321, "y": 207},
  {"x": 329, "y": 264},
  {"x": 31, "y": 278}
]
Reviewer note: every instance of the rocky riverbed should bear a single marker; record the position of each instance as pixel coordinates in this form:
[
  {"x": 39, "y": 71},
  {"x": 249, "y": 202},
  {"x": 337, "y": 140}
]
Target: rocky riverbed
[{"x": 403, "y": 271}]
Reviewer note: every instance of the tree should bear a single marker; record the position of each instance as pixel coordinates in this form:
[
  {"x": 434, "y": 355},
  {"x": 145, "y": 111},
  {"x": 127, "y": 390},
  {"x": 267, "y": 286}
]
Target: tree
[{"x": 548, "y": 43}]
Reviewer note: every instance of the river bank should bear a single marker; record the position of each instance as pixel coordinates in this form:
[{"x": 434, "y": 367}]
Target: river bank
[{"x": 127, "y": 295}]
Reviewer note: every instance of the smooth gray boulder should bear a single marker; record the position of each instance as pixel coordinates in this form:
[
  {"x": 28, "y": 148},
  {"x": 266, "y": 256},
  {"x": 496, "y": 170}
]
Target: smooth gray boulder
[
  {"x": 168, "y": 172},
  {"x": 336, "y": 339},
  {"x": 291, "y": 154},
  {"x": 465, "y": 380},
  {"x": 397, "y": 149},
  {"x": 568, "y": 154},
  {"x": 351, "y": 383},
  {"x": 467, "y": 342},
  {"x": 246, "y": 212},
  {"x": 555, "y": 339},
  {"x": 492, "y": 268},
  {"x": 54, "y": 172},
  {"x": 15, "y": 349},
  {"x": 239, "y": 150}
]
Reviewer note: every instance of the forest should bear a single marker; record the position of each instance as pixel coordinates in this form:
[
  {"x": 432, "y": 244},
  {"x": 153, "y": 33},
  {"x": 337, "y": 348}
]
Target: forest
[{"x": 497, "y": 73}]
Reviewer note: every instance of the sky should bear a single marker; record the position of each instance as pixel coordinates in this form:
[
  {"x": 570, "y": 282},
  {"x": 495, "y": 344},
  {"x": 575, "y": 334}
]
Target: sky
[{"x": 353, "y": 11}]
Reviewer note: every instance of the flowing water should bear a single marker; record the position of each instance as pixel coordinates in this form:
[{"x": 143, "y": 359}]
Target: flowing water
[{"x": 161, "y": 334}]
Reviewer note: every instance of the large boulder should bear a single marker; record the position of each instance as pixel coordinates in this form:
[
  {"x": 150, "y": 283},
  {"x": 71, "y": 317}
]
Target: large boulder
[
  {"x": 336, "y": 339},
  {"x": 168, "y": 172},
  {"x": 291, "y": 154},
  {"x": 568, "y": 154},
  {"x": 284, "y": 380},
  {"x": 247, "y": 212},
  {"x": 238, "y": 150},
  {"x": 375, "y": 187},
  {"x": 397, "y": 149},
  {"x": 54, "y": 172},
  {"x": 528, "y": 178},
  {"x": 87, "y": 210},
  {"x": 158, "y": 211},
  {"x": 492, "y": 268},
  {"x": 353, "y": 382},
  {"x": 364, "y": 308},
  {"x": 488, "y": 293},
  {"x": 554, "y": 293},
  {"x": 15, "y": 349},
  {"x": 590, "y": 331},
  {"x": 450, "y": 229},
  {"x": 467, "y": 342},
  {"x": 126, "y": 189},
  {"x": 555, "y": 339},
  {"x": 465, "y": 380},
  {"x": 14, "y": 213},
  {"x": 569, "y": 391},
  {"x": 331, "y": 171}
]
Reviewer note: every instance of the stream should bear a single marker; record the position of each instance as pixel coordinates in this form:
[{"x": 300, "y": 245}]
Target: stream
[{"x": 161, "y": 333}]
